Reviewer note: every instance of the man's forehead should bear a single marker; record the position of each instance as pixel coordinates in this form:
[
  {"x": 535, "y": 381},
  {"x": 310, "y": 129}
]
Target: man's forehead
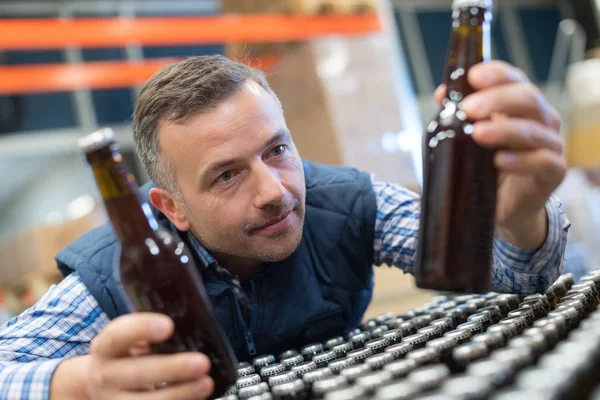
[{"x": 250, "y": 115}]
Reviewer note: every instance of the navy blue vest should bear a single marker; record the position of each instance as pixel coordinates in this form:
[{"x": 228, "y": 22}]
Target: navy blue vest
[{"x": 320, "y": 291}]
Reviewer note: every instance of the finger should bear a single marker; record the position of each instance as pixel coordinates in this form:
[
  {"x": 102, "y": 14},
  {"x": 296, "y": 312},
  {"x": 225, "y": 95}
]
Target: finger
[
  {"x": 544, "y": 164},
  {"x": 516, "y": 134},
  {"x": 201, "y": 389},
  {"x": 119, "y": 335},
  {"x": 515, "y": 100},
  {"x": 140, "y": 372},
  {"x": 139, "y": 349},
  {"x": 493, "y": 73},
  {"x": 439, "y": 94}
]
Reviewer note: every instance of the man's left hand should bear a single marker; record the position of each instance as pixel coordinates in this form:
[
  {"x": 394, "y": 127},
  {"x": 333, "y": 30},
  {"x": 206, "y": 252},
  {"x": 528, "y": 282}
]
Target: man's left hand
[{"x": 512, "y": 116}]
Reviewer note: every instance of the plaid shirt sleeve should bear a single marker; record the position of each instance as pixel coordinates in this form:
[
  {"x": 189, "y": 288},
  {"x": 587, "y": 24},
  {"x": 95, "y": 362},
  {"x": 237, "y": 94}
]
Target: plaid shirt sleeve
[
  {"x": 514, "y": 270},
  {"x": 60, "y": 325}
]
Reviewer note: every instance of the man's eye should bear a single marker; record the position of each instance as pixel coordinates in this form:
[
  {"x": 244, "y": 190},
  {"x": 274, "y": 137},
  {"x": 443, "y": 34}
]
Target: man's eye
[
  {"x": 225, "y": 176},
  {"x": 278, "y": 150}
]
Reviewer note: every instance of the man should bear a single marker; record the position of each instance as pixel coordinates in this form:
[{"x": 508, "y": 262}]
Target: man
[{"x": 285, "y": 247}]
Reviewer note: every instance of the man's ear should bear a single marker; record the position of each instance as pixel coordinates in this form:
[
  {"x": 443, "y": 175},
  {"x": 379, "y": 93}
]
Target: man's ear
[{"x": 171, "y": 207}]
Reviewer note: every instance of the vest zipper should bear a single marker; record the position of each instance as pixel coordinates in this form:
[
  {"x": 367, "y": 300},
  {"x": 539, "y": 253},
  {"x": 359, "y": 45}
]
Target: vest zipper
[{"x": 247, "y": 333}]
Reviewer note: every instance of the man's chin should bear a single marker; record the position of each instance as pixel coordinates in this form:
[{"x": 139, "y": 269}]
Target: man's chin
[{"x": 275, "y": 252}]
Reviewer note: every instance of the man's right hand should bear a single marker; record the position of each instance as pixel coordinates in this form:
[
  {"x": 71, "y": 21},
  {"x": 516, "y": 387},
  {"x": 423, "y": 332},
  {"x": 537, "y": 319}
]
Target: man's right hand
[{"x": 119, "y": 365}]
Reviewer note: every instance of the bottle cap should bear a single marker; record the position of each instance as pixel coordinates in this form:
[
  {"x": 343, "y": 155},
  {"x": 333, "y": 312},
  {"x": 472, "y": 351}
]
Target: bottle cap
[
  {"x": 373, "y": 380},
  {"x": 349, "y": 393},
  {"x": 96, "y": 140},
  {"x": 317, "y": 375},
  {"x": 472, "y": 3},
  {"x": 403, "y": 390},
  {"x": 263, "y": 361},
  {"x": 311, "y": 350}
]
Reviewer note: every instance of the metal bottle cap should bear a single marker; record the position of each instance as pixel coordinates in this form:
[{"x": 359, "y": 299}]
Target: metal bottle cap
[
  {"x": 303, "y": 368},
  {"x": 360, "y": 355},
  {"x": 403, "y": 390},
  {"x": 431, "y": 332},
  {"x": 424, "y": 356},
  {"x": 379, "y": 331},
  {"x": 282, "y": 378},
  {"x": 96, "y": 140},
  {"x": 323, "y": 386},
  {"x": 360, "y": 339},
  {"x": 324, "y": 358},
  {"x": 377, "y": 345},
  {"x": 245, "y": 371},
  {"x": 263, "y": 361},
  {"x": 291, "y": 361},
  {"x": 341, "y": 350},
  {"x": 399, "y": 350},
  {"x": 272, "y": 370},
  {"x": 373, "y": 380},
  {"x": 311, "y": 350},
  {"x": 331, "y": 343},
  {"x": 290, "y": 388},
  {"x": 429, "y": 377},
  {"x": 339, "y": 365},
  {"x": 493, "y": 340},
  {"x": 254, "y": 390},
  {"x": 460, "y": 336},
  {"x": 418, "y": 340},
  {"x": 393, "y": 336},
  {"x": 288, "y": 354},
  {"x": 350, "y": 393},
  {"x": 248, "y": 381},
  {"x": 401, "y": 368},
  {"x": 444, "y": 323},
  {"x": 379, "y": 360},
  {"x": 317, "y": 375},
  {"x": 457, "y": 4}
]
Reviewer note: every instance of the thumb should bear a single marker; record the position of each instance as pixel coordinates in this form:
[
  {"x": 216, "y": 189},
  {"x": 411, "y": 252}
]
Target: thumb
[{"x": 439, "y": 94}]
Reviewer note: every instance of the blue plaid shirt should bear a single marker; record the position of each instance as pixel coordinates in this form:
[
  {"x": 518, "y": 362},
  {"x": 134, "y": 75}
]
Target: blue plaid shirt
[{"x": 66, "y": 319}]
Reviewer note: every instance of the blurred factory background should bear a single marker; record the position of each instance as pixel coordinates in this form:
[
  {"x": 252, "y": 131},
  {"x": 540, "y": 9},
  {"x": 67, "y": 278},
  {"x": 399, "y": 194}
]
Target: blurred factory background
[{"x": 356, "y": 91}]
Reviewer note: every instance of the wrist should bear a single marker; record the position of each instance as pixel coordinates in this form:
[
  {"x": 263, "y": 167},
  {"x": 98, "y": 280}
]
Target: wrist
[
  {"x": 527, "y": 234},
  {"x": 69, "y": 381}
]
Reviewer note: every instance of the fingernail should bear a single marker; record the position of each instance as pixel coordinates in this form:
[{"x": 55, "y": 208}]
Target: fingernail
[
  {"x": 510, "y": 158},
  {"x": 481, "y": 75},
  {"x": 197, "y": 362},
  {"x": 159, "y": 326},
  {"x": 472, "y": 104},
  {"x": 204, "y": 387},
  {"x": 484, "y": 128}
]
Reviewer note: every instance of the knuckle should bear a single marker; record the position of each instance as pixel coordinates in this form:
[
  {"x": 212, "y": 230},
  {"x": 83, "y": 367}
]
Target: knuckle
[
  {"x": 136, "y": 375},
  {"x": 547, "y": 158},
  {"x": 98, "y": 378},
  {"x": 533, "y": 94}
]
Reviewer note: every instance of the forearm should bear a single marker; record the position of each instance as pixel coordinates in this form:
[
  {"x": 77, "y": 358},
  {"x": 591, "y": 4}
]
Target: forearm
[
  {"x": 528, "y": 234},
  {"x": 27, "y": 380}
]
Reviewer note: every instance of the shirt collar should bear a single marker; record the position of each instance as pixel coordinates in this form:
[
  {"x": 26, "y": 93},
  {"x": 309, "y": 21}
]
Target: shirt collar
[{"x": 207, "y": 259}]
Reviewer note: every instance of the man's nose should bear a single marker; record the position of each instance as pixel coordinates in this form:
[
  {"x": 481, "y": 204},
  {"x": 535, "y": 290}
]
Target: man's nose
[{"x": 269, "y": 191}]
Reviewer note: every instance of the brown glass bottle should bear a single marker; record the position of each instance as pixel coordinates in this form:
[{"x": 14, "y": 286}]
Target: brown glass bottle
[
  {"x": 458, "y": 205},
  {"x": 156, "y": 271}
]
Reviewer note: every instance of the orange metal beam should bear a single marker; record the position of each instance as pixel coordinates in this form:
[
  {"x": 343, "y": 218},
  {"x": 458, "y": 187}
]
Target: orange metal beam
[
  {"x": 49, "y": 33},
  {"x": 92, "y": 75}
]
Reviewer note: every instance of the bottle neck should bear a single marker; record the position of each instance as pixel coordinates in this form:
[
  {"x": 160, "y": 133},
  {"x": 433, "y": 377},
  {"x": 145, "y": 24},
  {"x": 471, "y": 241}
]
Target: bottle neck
[
  {"x": 470, "y": 44},
  {"x": 131, "y": 218}
]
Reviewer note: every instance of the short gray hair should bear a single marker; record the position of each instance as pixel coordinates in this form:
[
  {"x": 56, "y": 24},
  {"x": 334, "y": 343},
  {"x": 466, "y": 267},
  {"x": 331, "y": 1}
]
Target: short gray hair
[{"x": 178, "y": 91}]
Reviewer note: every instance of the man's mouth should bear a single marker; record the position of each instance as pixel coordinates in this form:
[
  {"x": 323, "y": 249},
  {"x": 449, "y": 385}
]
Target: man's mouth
[{"x": 275, "y": 224}]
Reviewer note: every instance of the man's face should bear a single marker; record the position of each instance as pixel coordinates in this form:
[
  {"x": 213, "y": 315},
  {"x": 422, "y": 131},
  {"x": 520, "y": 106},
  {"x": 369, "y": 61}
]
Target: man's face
[{"x": 240, "y": 177}]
